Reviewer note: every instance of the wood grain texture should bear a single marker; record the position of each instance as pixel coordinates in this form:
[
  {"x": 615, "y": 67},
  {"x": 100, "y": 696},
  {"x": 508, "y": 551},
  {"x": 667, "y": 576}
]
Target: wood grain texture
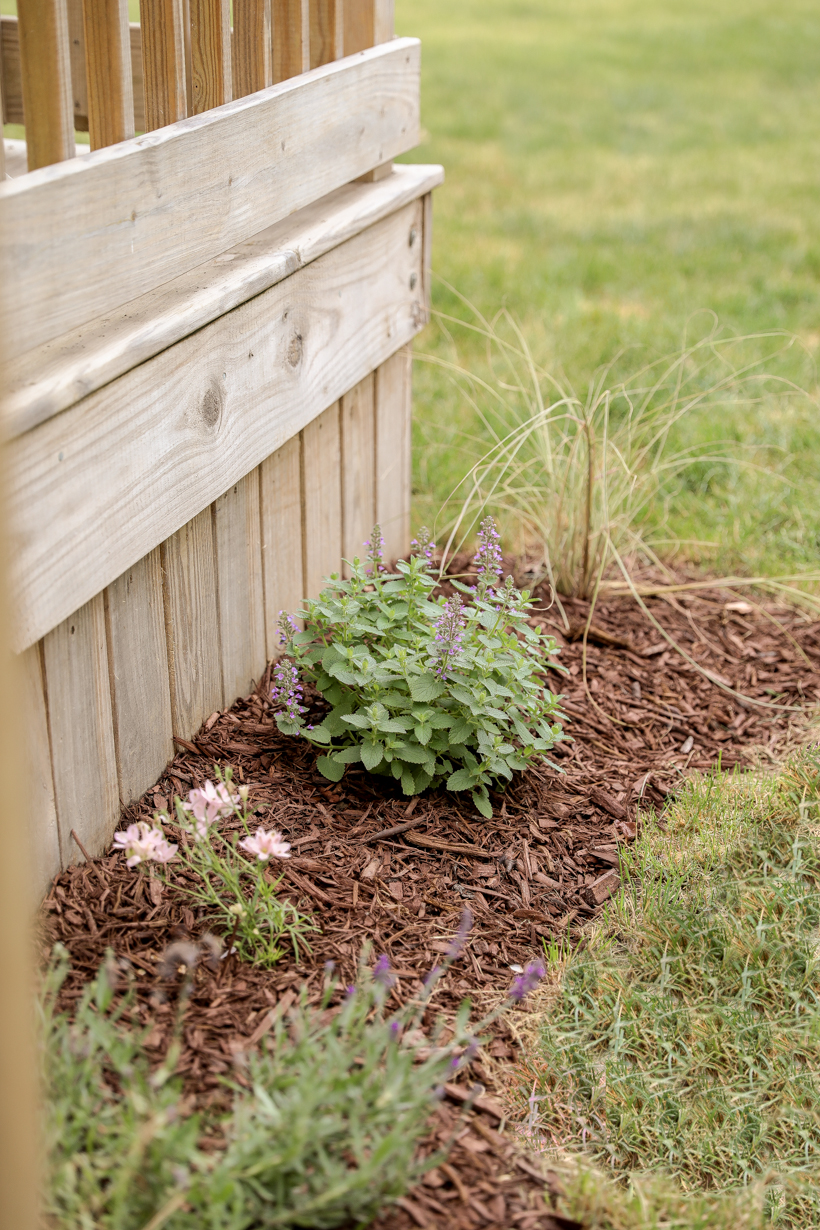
[
  {"x": 322, "y": 499},
  {"x": 53, "y": 377},
  {"x": 326, "y": 31},
  {"x": 42, "y": 813},
  {"x": 393, "y": 426},
  {"x": 358, "y": 461},
  {"x": 156, "y": 207},
  {"x": 76, "y": 55},
  {"x": 140, "y": 687},
  {"x": 163, "y": 63},
  {"x": 192, "y": 624},
  {"x": 251, "y": 46},
  {"x": 45, "y": 68},
  {"x": 137, "y": 76},
  {"x": 366, "y": 24},
  {"x": 108, "y": 72},
  {"x": 211, "y": 76},
  {"x": 11, "y": 81},
  {"x": 281, "y": 492},
  {"x": 82, "y": 731},
  {"x": 290, "y": 30},
  {"x": 237, "y": 534},
  {"x": 92, "y": 490}
]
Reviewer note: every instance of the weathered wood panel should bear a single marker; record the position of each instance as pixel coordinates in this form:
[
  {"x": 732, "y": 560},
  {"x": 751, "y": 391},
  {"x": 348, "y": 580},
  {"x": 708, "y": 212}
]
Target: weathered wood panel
[
  {"x": 42, "y": 813},
  {"x": 170, "y": 200},
  {"x": 46, "y": 75},
  {"x": 237, "y": 530},
  {"x": 82, "y": 732},
  {"x": 192, "y": 624},
  {"x": 322, "y": 493},
  {"x": 211, "y": 83},
  {"x": 93, "y": 490},
  {"x": 282, "y": 562},
  {"x": 393, "y": 426},
  {"x": 358, "y": 462},
  {"x": 291, "y": 38},
  {"x": 110, "y": 98},
  {"x": 140, "y": 687}
]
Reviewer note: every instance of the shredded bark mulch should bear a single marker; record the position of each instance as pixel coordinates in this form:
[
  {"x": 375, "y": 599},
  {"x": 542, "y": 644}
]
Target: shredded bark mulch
[{"x": 372, "y": 867}]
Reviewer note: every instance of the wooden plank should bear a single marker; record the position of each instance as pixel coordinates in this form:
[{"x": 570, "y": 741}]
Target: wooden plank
[
  {"x": 146, "y": 453},
  {"x": 358, "y": 468},
  {"x": 290, "y": 30},
  {"x": 211, "y": 78},
  {"x": 170, "y": 200},
  {"x": 46, "y": 74},
  {"x": 192, "y": 624},
  {"x": 82, "y": 731},
  {"x": 54, "y": 376},
  {"x": 163, "y": 64},
  {"x": 137, "y": 76},
  {"x": 366, "y": 24},
  {"x": 326, "y": 31},
  {"x": 281, "y": 492},
  {"x": 11, "y": 82},
  {"x": 322, "y": 495},
  {"x": 251, "y": 46},
  {"x": 76, "y": 55},
  {"x": 393, "y": 426},
  {"x": 237, "y": 533},
  {"x": 41, "y": 810},
  {"x": 108, "y": 68},
  {"x": 140, "y": 688}
]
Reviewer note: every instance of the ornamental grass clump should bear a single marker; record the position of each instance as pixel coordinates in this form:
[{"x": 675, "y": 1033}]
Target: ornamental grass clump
[{"x": 424, "y": 690}]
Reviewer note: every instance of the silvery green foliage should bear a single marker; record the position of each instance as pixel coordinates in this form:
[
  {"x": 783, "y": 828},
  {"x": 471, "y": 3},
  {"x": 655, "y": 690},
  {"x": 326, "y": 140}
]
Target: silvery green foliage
[{"x": 422, "y": 689}]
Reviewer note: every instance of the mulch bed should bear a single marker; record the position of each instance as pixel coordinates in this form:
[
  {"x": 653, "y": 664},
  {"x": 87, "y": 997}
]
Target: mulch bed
[{"x": 540, "y": 869}]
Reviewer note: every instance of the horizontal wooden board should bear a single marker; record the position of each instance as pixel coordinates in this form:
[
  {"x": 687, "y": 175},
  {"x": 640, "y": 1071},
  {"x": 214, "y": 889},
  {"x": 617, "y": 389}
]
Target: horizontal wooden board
[
  {"x": 53, "y": 377},
  {"x": 114, "y": 224},
  {"x": 94, "y": 489}
]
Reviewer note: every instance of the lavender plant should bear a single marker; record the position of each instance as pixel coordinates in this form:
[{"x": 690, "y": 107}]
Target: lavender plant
[{"x": 425, "y": 690}]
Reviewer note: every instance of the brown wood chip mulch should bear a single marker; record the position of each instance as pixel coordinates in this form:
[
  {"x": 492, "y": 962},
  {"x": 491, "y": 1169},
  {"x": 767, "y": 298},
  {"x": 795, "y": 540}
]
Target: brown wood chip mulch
[{"x": 541, "y": 868}]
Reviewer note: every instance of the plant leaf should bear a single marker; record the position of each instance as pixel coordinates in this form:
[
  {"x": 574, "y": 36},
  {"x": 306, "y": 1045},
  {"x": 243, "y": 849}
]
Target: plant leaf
[{"x": 330, "y": 768}]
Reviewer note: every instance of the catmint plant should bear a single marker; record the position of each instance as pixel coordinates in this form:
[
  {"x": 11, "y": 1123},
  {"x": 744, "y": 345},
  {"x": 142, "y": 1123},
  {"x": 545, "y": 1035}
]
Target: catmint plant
[
  {"x": 422, "y": 688},
  {"x": 228, "y": 871}
]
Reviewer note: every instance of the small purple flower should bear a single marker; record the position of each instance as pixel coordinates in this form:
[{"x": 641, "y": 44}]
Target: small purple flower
[
  {"x": 528, "y": 981},
  {"x": 460, "y": 938},
  {"x": 350, "y": 992},
  {"x": 449, "y": 638},
  {"x": 383, "y": 976},
  {"x": 375, "y": 551},
  {"x": 395, "y": 1028},
  {"x": 287, "y": 690},
  {"x": 487, "y": 560},
  {"x": 431, "y": 977},
  {"x": 423, "y": 544},
  {"x": 288, "y": 628},
  {"x": 329, "y": 967}
]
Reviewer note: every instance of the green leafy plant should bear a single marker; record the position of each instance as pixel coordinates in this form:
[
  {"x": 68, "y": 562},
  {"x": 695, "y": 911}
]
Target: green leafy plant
[{"x": 424, "y": 690}]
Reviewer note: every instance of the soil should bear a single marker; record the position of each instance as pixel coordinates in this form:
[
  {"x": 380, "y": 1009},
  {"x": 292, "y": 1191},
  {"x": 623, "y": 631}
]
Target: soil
[{"x": 540, "y": 869}]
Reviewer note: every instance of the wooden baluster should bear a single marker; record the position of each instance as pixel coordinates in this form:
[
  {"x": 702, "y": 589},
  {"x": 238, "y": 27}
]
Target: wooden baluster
[
  {"x": 76, "y": 55},
  {"x": 291, "y": 38},
  {"x": 46, "y": 73},
  {"x": 163, "y": 62},
  {"x": 366, "y": 24},
  {"x": 326, "y": 31},
  {"x": 211, "y": 79},
  {"x": 251, "y": 47},
  {"x": 2, "y": 112},
  {"x": 108, "y": 72}
]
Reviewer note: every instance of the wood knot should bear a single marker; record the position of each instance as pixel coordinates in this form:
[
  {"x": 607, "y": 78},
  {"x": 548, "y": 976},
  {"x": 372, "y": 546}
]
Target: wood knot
[
  {"x": 295, "y": 350},
  {"x": 211, "y": 408}
]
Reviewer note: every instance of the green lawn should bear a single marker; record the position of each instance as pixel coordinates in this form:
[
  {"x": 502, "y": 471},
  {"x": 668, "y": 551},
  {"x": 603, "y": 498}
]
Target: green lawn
[{"x": 614, "y": 167}]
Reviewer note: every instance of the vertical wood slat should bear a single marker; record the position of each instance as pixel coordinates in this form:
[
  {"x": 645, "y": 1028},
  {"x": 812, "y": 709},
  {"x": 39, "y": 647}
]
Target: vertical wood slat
[
  {"x": 281, "y": 519},
  {"x": 140, "y": 687},
  {"x": 326, "y": 31},
  {"x": 393, "y": 426},
  {"x": 322, "y": 499},
  {"x": 358, "y": 456},
  {"x": 76, "y": 55},
  {"x": 366, "y": 24},
  {"x": 108, "y": 71},
  {"x": 42, "y": 813},
  {"x": 237, "y": 536},
  {"x": 82, "y": 731},
  {"x": 46, "y": 72},
  {"x": 290, "y": 28},
  {"x": 211, "y": 76},
  {"x": 163, "y": 62},
  {"x": 192, "y": 624},
  {"x": 251, "y": 46}
]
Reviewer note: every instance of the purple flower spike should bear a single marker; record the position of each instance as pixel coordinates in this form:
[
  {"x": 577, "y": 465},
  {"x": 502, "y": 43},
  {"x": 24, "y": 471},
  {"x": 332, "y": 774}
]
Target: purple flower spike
[
  {"x": 395, "y": 1028},
  {"x": 383, "y": 976},
  {"x": 460, "y": 938},
  {"x": 449, "y": 639},
  {"x": 287, "y": 690},
  {"x": 487, "y": 560},
  {"x": 350, "y": 992},
  {"x": 423, "y": 545},
  {"x": 527, "y": 981},
  {"x": 288, "y": 628},
  {"x": 375, "y": 552}
]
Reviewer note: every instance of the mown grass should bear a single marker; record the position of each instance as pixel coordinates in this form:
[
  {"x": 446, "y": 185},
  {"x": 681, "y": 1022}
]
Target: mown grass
[
  {"x": 618, "y": 170},
  {"x": 680, "y": 1052}
]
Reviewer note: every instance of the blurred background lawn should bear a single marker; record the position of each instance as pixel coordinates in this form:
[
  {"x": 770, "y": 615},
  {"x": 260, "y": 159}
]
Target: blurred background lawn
[{"x": 616, "y": 170}]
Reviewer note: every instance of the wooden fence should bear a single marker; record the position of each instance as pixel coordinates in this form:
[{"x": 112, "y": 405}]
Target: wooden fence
[{"x": 207, "y": 400}]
